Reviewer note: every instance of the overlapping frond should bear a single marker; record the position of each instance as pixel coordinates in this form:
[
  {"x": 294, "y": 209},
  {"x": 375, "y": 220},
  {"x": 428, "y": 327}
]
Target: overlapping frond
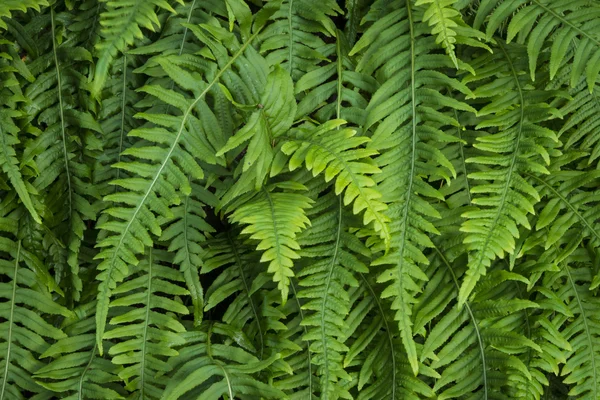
[
  {"x": 570, "y": 26},
  {"x": 274, "y": 218},
  {"x": 76, "y": 371},
  {"x": 210, "y": 366},
  {"x": 25, "y": 332},
  {"x": 328, "y": 267},
  {"x": 171, "y": 144},
  {"x": 121, "y": 22},
  {"x": 339, "y": 154},
  {"x": 294, "y": 38},
  {"x": 66, "y": 140},
  {"x": 517, "y": 144},
  {"x": 8, "y": 7},
  {"x": 407, "y": 114},
  {"x": 146, "y": 327}
]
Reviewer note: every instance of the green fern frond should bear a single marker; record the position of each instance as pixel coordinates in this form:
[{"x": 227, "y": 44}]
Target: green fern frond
[
  {"x": 186, "y": 233},
  {"x": 330, "y": 267},
  {"x": 273, "y": 118},
  {"x": 146, "y": 326},
  {"x": 25, "y": 332},
  {"x": 292, "y": 40},
  {"x": 446, "y": 23},
  {"x": 275, "y": 218},
  {"x": 121, "y": 23},
  {"x": 571, "y": 27},
  {"x": 77, "y": 371},
  {"x": 517, "y": 144},
  {"x": 9, "y": 162},
  {"x": 10, "y": 6},
  {"x": 338, "y": 153},
  {"x": 406, "y": 113},
  {"x": 171, "y": 162},
  {"x": 240, "y": 269},
  {"x": 210, "y": 367},
  {"x": 581, "y": 370},
  {"x": 66, "y": 140}
]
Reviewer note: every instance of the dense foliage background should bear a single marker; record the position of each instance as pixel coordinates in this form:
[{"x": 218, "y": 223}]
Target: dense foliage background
[{"x": 299, "y": 199}]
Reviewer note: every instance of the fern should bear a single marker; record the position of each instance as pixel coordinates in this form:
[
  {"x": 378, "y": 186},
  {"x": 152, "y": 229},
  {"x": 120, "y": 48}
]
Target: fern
[{"x": 242, "y": 199}]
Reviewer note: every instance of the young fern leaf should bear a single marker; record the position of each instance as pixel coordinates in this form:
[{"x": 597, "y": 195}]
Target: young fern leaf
[
  {"x": 330, "y": 267},
  {"x": 146, "y": 327},
  {"x": 167, "y": 173},
  {"x": 76, "y": 370},
  {"x": 273, "y": 118},
  {"x": 275, "y": 218},
  {"x": 443, "y": 18},
  {"x": 407, "y": 113},
  {"x": 24, "y": 331},
  {"x": 518, "y": 144},
  {"x": 338, "y": 154},
  {"x": 121, "y": 22}
]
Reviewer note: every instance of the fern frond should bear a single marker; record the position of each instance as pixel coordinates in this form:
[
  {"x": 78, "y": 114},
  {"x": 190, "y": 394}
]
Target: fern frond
[
  {"x": 581, "y": 370},
  {"x": 273, "y": 118},
  {"x": 121, "y": 23},
  {"x": 446, "y": 22},
  {"x": 25, "y": 332},
  {"x": 275, "y": 218},
  {"x": 517, "y": 144},
  {"x": 9, "y": 162},
  {"x": 338, "y": 153},
  {"x": 77, "y": 371},
  {"x": 146, "y": 327},
  {"x": 292, "y": 39},
  {"x": 210, "y": 366},
  {"x": 186, "y": 233},
  {"x": 66, "y": 140},
  {"x": 330, "y": 267},
  {"x": 171, "y": 162},
  {"x": 408, "y": 115},
  {"x": 570, "y": 26},
  {"x": 8, "y": 7}
]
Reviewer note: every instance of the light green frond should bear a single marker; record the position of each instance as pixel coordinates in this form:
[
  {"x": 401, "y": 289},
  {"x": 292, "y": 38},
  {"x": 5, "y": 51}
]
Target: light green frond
[
  {"x": 272, "y": 118},
  {"x": 338, "y": 153},
  {"x": 274, "y": 218},
  {"x": 447, "y": 24},
  {"x": 8, "y": 7}
]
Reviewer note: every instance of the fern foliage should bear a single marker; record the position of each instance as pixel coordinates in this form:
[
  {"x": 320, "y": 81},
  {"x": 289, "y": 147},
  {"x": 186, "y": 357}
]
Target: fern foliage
[{"x": 298, "y": 199}]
